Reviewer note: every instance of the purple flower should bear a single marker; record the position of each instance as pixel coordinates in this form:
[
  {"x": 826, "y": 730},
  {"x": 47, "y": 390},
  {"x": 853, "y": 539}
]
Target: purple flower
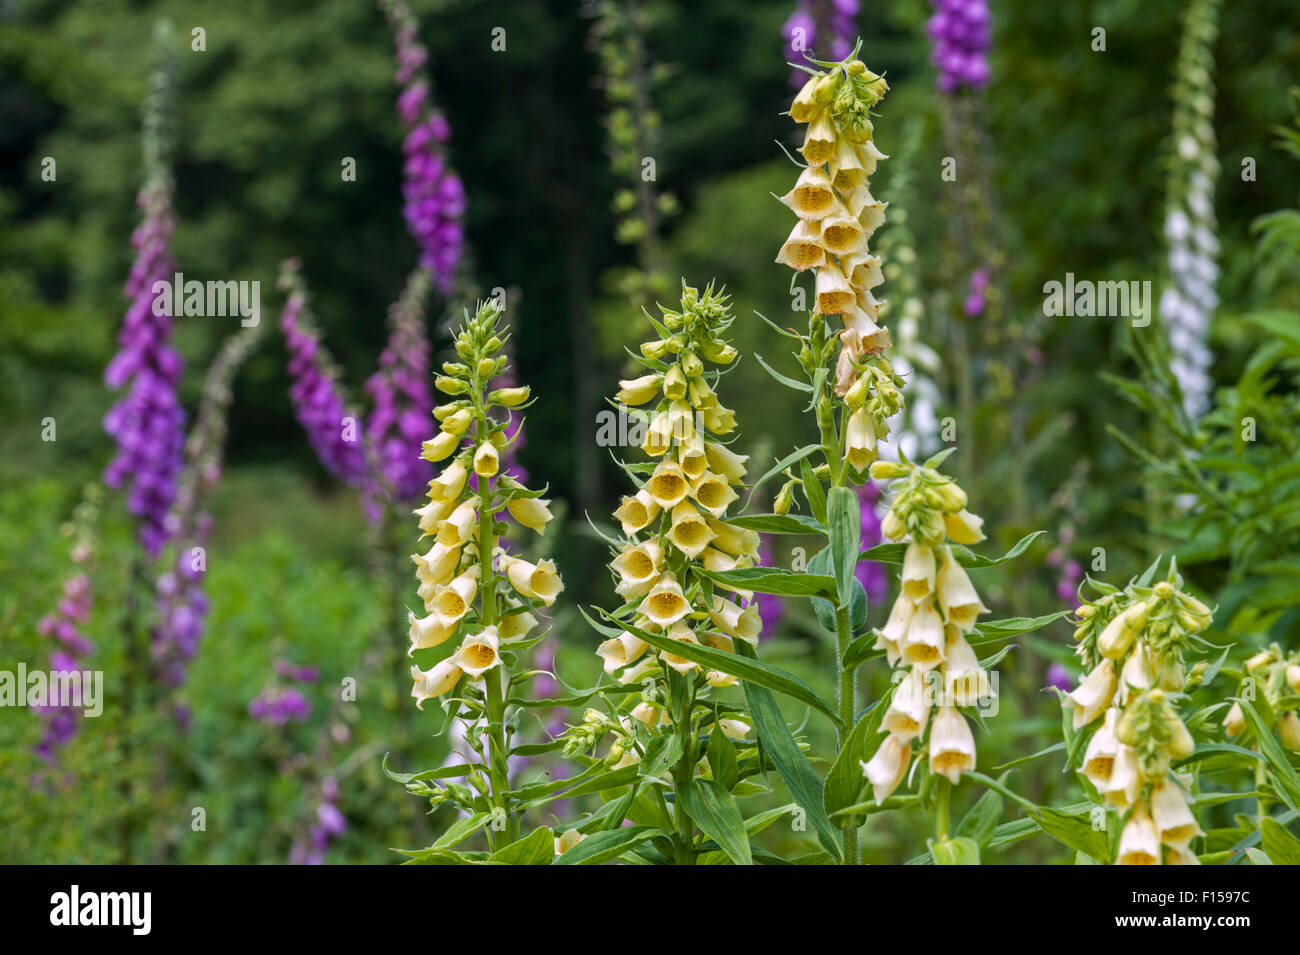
[
  {"x": 959, "y": 31},
  {"x": 1059, "y": 677},
  {"x": 402, "y": 415},
  {"x": 870, "y": 574},
  {"x": 434, "y": 200},
  {"x": 147, "y": 422},
  {"x": 332, "y": 429},
  {"x": 62, "y": 721}
]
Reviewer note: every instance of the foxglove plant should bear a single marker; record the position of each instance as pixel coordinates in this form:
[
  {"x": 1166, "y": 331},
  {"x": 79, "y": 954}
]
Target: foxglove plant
[
  {"x": 400, "y": 417},
  {"x": 932, "y": 626},
  {"x": 960, "y": 33},
  {"x": 66, "y": 626},
  {"x": 147, "y": 422},
  {"x": 1188, "y": 302},
  {"x": 434, "y": 199},
  {"x": 478, "y": 599},
  {"x": 1134, "y": 645},
  {"x": 332, "y": 427},
  {"x": 677, "y": 534}
]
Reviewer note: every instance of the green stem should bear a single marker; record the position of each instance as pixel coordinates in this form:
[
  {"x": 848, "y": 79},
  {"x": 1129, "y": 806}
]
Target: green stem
[
  {"x": 847, "y": 710},
  {"x": 941, "y": 799},
  {"x": 493, "y": 685}
]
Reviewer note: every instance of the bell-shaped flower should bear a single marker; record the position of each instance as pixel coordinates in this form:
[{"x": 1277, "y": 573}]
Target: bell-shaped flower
[
  {"x": 487, "y": 460},
  {"x": 1172, "y": 816},
  {"x": 713, "y": 493},
  {"x": 964, "y": 527},
  {"x": 965, "y": 682},
  {"x": 426, "y": 632},
  {"x": 618, "y": 652},
  {"x": 734, "y": 540},
  {"x": 448, "y": 485},
  {"x": 636, "y": 512},
  {"x": 460, "y": 524},
  {"x": 689, "y": 531},
  {"x": 919, "y": 570},
  {"x": 438, "y": 565},
  {"x": 741, "y": 623},
  {"x": 1099, "y": 757},
  {"x": 668, "y": 485},
  {"x": 887, "y": 769},
  {"x": 435, "y": 682},
  {"x": 452, "y": 601},
  {"x": 834, "y": 295},
  {"x": 924, "y": 642},
  {"x": 665, "y": 604},
  {"x": 812, "y": 197},
  {"x": 1093, "y": 696},
  {"x": 1121, "y": 791},
  {"x": 1138, "y": 843},
  {"x": 680, "y": 632},
  {"x": 802, "y": 250},
  {"x": 819, "y": 142},
  {"x": 909, "y": 707},
  {"x": 531, "y": 512},
  {"x": 637, "y": 568},
  {"x": 860, "y": 440},
  {"x": 722, "y": 460},
  {"x": 952, "y": 745},
  {"x": 538, "y": 581},
  {"x": 960, "y": 603},
  {"x": 478, "y": 653}
]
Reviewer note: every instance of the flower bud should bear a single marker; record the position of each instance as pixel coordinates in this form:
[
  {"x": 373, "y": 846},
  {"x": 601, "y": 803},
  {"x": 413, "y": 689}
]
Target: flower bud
[{"x": 510, "y": 397}]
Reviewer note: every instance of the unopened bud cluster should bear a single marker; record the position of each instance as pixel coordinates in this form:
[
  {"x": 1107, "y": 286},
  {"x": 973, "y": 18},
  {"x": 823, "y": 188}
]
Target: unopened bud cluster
[
  {"x": 925, "y": 635},
  {"x": 837, "y": 213},
  {"x": 468, "y": 501},
  {"x": 1134, "y": 644}
]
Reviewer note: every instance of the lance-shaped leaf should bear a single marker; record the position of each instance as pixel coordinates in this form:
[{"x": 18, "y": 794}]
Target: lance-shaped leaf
[
  {"x": 844, "y": 518},
  {"x": 773, "y": 580}
]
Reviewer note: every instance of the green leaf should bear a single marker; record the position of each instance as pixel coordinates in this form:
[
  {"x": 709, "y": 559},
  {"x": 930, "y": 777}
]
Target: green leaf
[
  {"x": 747, "y": 668},
  {"x": 536, "y": 848},
  {"x": 956, "y": 851},
  {"x": 722, "y": 759},
  {"x": 462, "y": 829},
  {"x": 845, "y": 780},
  {"x": 980, "y": 823},
  {"x": 812, "y": 489},
  {"x": 1288, "y": 783},
  {"x": 715, "y": 811},
  {"x": 893, "y": 553},
  {"x": 660, "y": 754},
  {"x": 601, "y": 847},
  {"x": 1074, "y": 832},
  {"x": 791, "y": 764},
  {"x": 773, "y": 580},
  {"x": 784, "y": 463},
  {"x": 1282, "y": 847},
  {"x": 777, "y": 524},
  {"x": 844, "y": 518},
  {"x": 824, "y": 609},
  {"x": 788, "y": 382}
]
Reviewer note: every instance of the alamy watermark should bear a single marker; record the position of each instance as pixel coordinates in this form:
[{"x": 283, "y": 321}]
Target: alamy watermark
[
  {"x": 82, "y": 689},
  {"x": 1088, "y": 299},
  {"x": 195, "y": 299}
]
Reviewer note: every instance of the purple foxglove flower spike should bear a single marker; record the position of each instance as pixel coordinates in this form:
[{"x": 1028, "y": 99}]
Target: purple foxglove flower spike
[
  {"x": 434, "y": 199},
  {"x": 960, "y": 33},
  {"x": 147, "y": 422},
  {"x": 401, "y": 417},
  {"x": 333, "y": 429}
]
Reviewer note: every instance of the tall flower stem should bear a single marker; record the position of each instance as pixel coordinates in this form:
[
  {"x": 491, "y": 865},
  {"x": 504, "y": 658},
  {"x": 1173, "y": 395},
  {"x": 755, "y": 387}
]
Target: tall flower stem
[
  {"x": 847, "y": 708},
  {"x": 942, "y": 798}
]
